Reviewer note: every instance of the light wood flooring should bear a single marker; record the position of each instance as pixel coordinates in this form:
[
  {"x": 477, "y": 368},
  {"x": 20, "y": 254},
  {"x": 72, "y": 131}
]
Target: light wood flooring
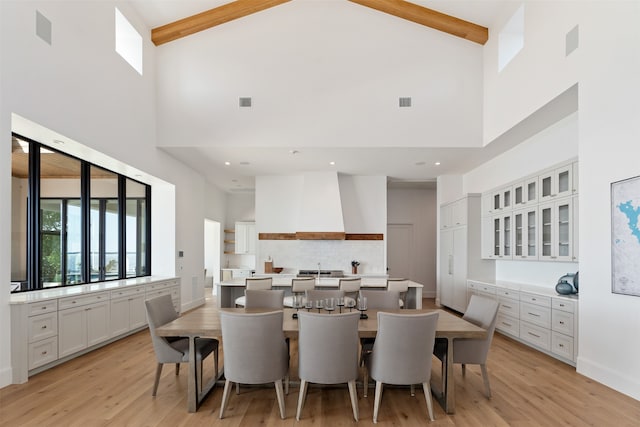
[{"x": 112, "y": 387}]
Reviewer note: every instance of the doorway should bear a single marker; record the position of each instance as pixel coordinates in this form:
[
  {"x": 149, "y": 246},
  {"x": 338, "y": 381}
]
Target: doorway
[
  {"x": 399, "y": 253},
  {"x": 211, "y": 253}
]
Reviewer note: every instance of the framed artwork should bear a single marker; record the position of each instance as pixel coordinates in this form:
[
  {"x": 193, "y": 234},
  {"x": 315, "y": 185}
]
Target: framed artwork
[{"x": 625, "y": 236}]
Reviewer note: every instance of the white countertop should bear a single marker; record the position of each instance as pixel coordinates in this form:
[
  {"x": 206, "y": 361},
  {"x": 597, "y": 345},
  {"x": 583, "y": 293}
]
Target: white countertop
[
  {"x": 285, "y": 281},
  {"x": 524, "y": 287},
  {"x": 75, "y": 290}
]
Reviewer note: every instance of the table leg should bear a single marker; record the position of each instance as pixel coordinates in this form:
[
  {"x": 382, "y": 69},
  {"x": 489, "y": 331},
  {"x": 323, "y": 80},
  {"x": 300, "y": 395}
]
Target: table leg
[
  {"x": 192, "y": 381},
  {"x": 449, "y": 391}
]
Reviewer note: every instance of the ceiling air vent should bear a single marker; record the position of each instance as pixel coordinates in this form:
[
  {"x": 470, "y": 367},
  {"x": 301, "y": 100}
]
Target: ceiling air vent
[
  {"x": 405, "y": 101},
  {"x": 245, "y": 102}
]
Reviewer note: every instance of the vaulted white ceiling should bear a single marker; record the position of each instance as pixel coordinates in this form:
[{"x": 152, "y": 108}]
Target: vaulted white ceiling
[{"x": 277, "y": 142}]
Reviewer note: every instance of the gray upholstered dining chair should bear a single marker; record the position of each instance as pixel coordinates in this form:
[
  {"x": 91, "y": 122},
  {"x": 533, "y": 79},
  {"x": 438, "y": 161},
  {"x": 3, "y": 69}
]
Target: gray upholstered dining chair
[
  {"x": 350, "y": 287},
  {"x": 254, "y": 283},
  {"x": 482, "y": 312},
  {"x": 328, "y": 353},
  {"x": 255, "y": 352},
  {"x": 264, "y": 298},
  {"x": 298, "y": 287},
  {"x": 402, "y": 354},
  {"x": 377, "y": 300},
  {"x": 160, "y": 311},
  {"x": 402, "y": 287}
]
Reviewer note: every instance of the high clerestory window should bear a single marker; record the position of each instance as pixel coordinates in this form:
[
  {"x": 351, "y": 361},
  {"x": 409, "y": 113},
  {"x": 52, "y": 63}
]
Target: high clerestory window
[{"x": 74, "y": 222}]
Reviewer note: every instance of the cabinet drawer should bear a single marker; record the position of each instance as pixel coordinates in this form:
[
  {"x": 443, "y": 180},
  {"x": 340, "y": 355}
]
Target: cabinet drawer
[
  {"x": 486, "y": 290},
  {"x": 563, "y": 304},
  {"x": 508, "y": 293},
  {"x": 121, "y": 293},
  {"x": 509, "y": 307},
  {"x": 535, "y": 335},
  {"x": 161, "y": 285},
  {"x": 43, "y": 326},
  {"x": 561, "y": 321},
  {"x": 535, "y": 314},
  {"x": 83, "y": 300},
  {"x": 43, "y": 307},
  {"x": 535, "y": 299},
  {"x": 43, "y": 352},
  {"x": 508, "y": 324},
  {"x": 562, "y": 345}
]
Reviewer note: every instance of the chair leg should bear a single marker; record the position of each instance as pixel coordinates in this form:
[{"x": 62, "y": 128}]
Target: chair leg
[
  {"x": 444, "y": 375},
  {"x": 354, "y": 398},
  {"x": 464, "y": 369},
  {"x": 177, "y": 369},
  {"x": 237, "y": 388},
  {"x": 413, "y": 390},
  {"x": 376, "y": 404},
  {"x": 485, "y": 377},
  {"x": 215, "y": 361},
  {"x": 225, "y": 397},
  {"x": 157, "y": 380},
  {"x": 302, "y": 394},
  {"x": 286, "y": 384},
  {"x": 365, "y": 382},
  {"x": 280, "y": 395},
  {"x": 427, "y": 396},
  {"x": 199, "y": 373}
]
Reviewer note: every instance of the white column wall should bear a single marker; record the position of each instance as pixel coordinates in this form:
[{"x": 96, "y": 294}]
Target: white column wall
[{"x": 82, "y": 89}]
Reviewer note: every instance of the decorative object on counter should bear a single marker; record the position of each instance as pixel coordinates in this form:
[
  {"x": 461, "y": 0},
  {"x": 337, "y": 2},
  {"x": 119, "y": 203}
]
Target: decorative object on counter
[
  {"x": 362, "y": 306},
  {"x": 354, "y": 266},
  {"x": 566, "y": 284},
  {"x": 278, "y": 270},
  {"x": 268, "y": 266}
]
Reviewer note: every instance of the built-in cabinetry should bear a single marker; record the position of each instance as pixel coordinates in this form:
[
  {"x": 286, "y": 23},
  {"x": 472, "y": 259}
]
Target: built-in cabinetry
[
  {"x": 534, "y": 218},
  {"x": 245, "y": 238},
  {"x": 54, "y": 325},
  {"x": 536, "y": 316},
  {"x": 460, "y": 250}
]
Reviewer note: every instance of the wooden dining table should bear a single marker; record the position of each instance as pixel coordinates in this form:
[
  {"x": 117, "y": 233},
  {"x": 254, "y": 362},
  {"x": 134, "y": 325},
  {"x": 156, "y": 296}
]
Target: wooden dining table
[{"x": 204, "y": 322}]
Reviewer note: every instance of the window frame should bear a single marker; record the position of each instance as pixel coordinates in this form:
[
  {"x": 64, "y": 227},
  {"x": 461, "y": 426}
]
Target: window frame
[{"x": 34, "y": 223}]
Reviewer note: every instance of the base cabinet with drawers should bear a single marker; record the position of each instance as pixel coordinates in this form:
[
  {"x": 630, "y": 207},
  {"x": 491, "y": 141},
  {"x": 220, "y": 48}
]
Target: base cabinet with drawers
[
  {"x": 49, "y": 327},
  {"x": 535, "y": 316}
]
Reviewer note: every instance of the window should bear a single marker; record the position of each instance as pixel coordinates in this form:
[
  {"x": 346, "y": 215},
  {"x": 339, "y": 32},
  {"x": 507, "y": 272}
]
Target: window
[
  {"x": 128, "y": 41},
  {"x": 74, "y": 222},
  {"x": 511, "y": 38}
]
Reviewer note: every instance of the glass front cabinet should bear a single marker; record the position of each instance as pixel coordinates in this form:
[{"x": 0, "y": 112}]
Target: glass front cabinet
[
  {"x": 525, "y": 233},
  {"x": 556, "y": 230}
]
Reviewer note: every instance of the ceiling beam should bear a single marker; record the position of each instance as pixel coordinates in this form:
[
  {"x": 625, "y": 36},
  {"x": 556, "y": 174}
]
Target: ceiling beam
[
  {"x": 430, "y": 18},
  {"x": 210, "y": 18}
]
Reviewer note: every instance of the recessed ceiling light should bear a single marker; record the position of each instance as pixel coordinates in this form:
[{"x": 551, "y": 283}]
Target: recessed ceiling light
[
  {"x": 437, "y": 163},
  {"x": 332, "y": 163},
  {"x": 227, "y": 163}
]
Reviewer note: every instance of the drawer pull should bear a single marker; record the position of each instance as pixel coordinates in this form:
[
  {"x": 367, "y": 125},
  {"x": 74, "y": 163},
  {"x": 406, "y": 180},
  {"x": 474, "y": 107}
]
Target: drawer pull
[
  {"x": 533, "y": 299},
  {"x": 44, "y": 326},
  {"x": 506, "y": 306},
  {"x": 533, "y": 314},
  {"x": 44, "y": 353},
  {"x": 44, "y": 307},
  {"x": 532, "y": 334},
  {"x": 507, "y": 324},
  {"x": 561, "y": 345},
  {"x": 562, "y": 322},
  {"x": 561, "y": 305}
]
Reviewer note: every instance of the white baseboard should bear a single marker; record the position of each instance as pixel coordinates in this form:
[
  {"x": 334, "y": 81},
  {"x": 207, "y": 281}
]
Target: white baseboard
[
  {"x": 6, "y": 377},
  {"x": 618, "y": 380}
]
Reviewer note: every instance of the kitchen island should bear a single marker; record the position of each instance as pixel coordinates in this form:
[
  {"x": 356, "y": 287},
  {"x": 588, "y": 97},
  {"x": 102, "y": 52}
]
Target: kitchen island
[{"x": 227, "y": 291}]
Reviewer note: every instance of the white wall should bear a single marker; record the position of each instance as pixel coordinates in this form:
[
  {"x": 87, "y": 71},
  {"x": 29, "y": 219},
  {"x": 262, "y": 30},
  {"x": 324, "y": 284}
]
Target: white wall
[
  {"x": 80, "y": 88},
  {"x": 609, "y": 348},
  {"x": 320, "y": 73},
  {"x": 364, "y": 200},
  {"x": 418, "y": 207},
  {"x": 537, "y": 74}
]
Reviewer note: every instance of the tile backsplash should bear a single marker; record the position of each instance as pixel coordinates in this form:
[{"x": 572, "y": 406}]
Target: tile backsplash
[{"x": 294, "y": 255}]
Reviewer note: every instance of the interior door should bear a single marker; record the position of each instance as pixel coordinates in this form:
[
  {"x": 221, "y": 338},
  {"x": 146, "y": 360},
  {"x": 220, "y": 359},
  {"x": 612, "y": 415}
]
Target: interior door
[{"x": 399, "y": 244}]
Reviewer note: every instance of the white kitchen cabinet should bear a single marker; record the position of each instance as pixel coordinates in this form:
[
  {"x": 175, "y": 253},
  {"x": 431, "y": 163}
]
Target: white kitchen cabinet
[
  {"x": 556, "y": 230},
  {"x": 525, "y": 235},
  {"x": 82, "y": 325},
  {"x": 460, "y": 255},
  {"x": 555, "y": 183},
  {"x": 502, "y": 200},
  {"x": 502, "y": 236},
  {"x": 245, "y": 238},
  {"x": 525, "y": 192},
  {"x": 453, "y": 214},
  {"x": 127, "y": 310}
]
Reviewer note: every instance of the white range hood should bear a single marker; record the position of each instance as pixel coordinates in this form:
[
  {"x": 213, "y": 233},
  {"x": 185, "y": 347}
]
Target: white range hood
[{"x": 320, "y": 207}]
